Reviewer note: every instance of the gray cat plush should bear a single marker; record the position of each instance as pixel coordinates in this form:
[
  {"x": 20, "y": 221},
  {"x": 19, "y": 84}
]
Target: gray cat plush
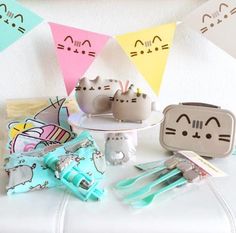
[
  {"x": 132, "y": 106},
  {"x": 93, "y": 96}
]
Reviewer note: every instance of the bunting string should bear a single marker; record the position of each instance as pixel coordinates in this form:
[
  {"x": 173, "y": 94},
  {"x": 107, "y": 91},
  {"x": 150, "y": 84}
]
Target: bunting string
[{"x": 148, "y": 49}]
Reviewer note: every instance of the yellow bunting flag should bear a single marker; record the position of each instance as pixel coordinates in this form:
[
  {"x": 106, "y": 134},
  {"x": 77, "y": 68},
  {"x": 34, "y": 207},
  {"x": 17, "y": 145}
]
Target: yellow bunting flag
[{"x": 148, "y": 49}]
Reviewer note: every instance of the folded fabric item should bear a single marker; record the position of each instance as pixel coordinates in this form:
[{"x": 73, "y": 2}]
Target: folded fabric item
[{"x": 27, "y": 171}]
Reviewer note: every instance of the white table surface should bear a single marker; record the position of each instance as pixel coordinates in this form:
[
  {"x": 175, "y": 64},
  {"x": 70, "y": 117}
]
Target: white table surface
[{"x": 209, "y": 207}]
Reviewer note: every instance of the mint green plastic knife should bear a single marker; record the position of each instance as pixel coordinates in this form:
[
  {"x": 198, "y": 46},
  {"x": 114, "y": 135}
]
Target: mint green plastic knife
[
  {"x": 150, "y": 198},
  {"x": 148, "y": 187},
  {"x": 131, "y": 181}
]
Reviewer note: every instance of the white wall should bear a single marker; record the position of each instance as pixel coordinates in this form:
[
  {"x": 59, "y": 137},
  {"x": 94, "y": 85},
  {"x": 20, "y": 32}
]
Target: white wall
[{"x": 196, "y": 70}]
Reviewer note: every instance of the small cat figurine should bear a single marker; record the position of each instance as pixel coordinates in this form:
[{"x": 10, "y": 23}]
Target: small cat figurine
[
  {"x": 119, "y": 148},
  {"x": 93, "y": 96},
  {"x": 132, "y": 106}
]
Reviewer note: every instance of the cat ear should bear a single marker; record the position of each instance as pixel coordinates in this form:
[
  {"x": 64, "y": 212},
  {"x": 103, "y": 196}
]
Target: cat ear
[
  {"x": 131, "y": 87},
  {"x": 129, "y": 93},
  {"x": 130, "y": 90},
  {"x": 97, "y": 79},
  {"x": 84, "y": 81},
  {"x": 118, "y": 92}
]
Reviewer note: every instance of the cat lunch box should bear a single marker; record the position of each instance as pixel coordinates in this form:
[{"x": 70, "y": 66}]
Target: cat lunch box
[{"x": 205, "y": 129}]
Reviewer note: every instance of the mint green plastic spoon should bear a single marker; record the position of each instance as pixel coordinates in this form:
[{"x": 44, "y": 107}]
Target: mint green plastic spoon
[
  {"x": 131, "y": 181},
  {"x": 150, "y": 198},
  {"x": 148, "y": 187}
]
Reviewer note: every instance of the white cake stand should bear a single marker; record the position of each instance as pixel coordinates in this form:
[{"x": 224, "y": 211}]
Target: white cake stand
[{"x": 114, "y": 129}]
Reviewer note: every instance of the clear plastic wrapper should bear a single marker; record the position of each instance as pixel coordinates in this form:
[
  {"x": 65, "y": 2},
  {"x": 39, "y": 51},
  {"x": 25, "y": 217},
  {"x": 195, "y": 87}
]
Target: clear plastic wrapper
[{"x": 181, "y": 170}]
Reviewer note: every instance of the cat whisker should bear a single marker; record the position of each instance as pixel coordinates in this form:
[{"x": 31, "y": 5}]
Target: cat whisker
[
  {"x": 77, "y": 88},
  {"x": 171, "y": 129},
  {"x": 165, "y": 46},
  {"x": 92, "y": 54},
  {"x": 233, "y": 11},
  {"x": 132, "y": 54},
  {"x": 203, "y": 30},
  {"x": 107, "y": 87},
  {"x": 225, "y": 140},
  {"x": 170, "y": 133},
  {"x": 60, "y": 46},
  {"x": 22, "y": 30},
  {"x": 224, "y": 135}
]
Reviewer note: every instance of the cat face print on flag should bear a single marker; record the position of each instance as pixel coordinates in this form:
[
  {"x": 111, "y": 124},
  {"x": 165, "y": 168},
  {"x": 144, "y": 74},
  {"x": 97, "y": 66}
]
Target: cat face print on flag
[
  {"x": 15, "y": 22},
  {"x": 76, "y": 49},
  {"x": 148, "y": 49},
  {"x": 216, "y": 20}
]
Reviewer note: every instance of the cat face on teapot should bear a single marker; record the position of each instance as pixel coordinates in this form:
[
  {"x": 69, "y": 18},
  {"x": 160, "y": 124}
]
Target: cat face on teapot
[{"x": 93, "y": 96}]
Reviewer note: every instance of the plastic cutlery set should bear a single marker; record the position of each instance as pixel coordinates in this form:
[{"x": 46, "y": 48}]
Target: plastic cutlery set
[{"x": 175, "y": 172}]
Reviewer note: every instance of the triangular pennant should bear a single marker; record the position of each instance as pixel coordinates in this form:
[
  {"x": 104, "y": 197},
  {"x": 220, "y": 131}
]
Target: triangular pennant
[
  {"x": 15, "y": 22},
  {"x": 216, "y": 20},
  {"x": 76, "y": 50},
  {"x": 148, "y": 49}
]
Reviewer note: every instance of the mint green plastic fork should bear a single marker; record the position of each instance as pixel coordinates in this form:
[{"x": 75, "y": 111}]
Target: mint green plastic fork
[
  {"x": 131, "y": 181},
  {"x": 150, "y": 198},
  {"x": 148, "y": 187}
]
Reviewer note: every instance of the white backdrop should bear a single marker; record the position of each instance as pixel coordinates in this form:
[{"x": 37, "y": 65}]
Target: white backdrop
[{"x": 196, "y": 70}]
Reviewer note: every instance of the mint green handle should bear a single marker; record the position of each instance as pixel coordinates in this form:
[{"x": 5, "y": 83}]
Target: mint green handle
[
  {"x": 148, "y": 187},
  {"x": 131, "y": 181},
  {"x": 150, "y": 198}
]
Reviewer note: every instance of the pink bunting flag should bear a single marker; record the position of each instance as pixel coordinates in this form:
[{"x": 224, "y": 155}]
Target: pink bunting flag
[{"x": 76, "y": 50}]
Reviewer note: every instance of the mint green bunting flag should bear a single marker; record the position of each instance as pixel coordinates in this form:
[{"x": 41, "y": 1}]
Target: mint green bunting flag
[{"x": 15, "y": 22}]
